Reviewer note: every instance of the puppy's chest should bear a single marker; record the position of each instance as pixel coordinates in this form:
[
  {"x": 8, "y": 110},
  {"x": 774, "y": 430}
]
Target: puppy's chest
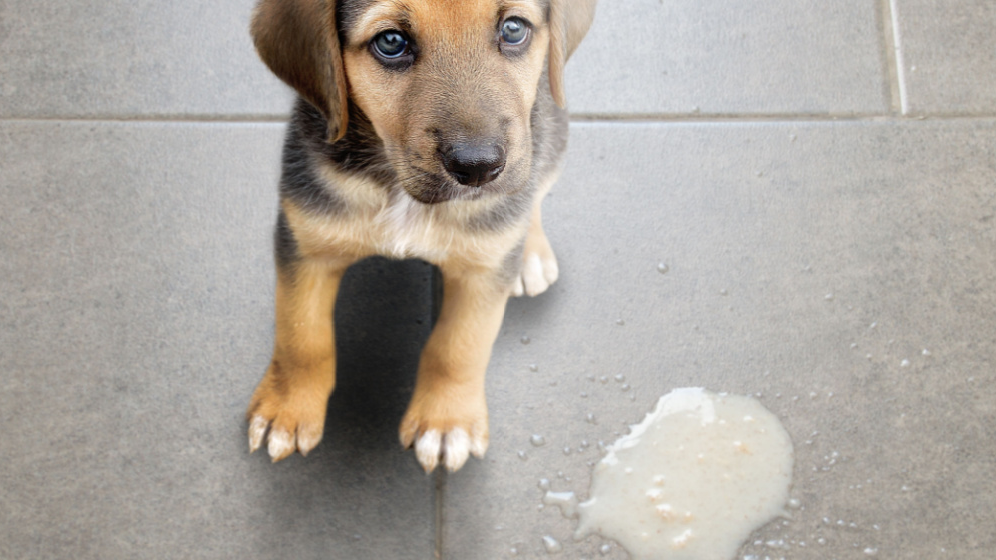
[
  {"x": 398, "y": 228},
  {"x": 405, "y": 228}
]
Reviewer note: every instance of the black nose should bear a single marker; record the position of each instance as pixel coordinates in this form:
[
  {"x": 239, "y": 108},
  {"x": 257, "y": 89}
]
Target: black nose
[{"x": 474, "y": 164}]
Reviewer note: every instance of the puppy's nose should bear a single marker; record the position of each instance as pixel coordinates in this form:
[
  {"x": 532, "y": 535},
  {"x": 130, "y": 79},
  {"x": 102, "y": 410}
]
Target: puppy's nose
[{"x": 474, "y": 164}]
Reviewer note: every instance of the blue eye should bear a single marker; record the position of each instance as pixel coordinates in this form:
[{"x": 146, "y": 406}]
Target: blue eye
[
  {"x": 390, "y": 44},
  {"x": 514, "y": 31}
]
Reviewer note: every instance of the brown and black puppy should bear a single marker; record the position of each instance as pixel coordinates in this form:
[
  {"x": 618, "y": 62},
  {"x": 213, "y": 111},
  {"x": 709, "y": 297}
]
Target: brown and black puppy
[{"x": 426, "y": 129}]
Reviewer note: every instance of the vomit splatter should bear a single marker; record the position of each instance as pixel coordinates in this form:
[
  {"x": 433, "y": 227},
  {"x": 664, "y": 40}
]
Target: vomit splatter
[{"x": 692, "y": 481}]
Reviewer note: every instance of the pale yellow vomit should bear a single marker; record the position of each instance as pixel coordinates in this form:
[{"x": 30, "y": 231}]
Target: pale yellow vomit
[{"x": 728, "y": 465}]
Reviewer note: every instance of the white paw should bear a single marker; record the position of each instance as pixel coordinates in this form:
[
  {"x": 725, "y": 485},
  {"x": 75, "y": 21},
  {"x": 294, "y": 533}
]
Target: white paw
[
  {"x": 539, "y": 272},
  {"x": 281, "y": 443},
  {"x": 453, "y": 448}
]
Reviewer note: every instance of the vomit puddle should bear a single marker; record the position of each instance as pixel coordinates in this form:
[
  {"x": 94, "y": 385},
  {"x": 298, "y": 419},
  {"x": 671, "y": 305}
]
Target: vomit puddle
[{"x": 690, "y": 482}]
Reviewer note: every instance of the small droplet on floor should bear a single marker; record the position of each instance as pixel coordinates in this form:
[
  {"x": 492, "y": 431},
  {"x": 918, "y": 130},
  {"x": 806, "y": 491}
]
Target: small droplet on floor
[
  {"x": 537, "y": 440},
  {"x": 552, "y": 545}
]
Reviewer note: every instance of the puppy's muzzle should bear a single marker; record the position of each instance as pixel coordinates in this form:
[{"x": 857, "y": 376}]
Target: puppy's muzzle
[{"x": 474, "y": 165}]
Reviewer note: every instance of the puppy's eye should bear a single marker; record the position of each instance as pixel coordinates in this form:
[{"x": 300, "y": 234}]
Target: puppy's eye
[
  {"x": 514, "y": 31},
  {"x": 390, "y": 45}
]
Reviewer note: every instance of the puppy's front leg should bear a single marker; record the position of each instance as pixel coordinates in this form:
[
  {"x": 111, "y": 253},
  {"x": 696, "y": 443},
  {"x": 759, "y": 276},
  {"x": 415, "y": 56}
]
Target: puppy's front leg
[
  {"x": 448, "y": 415},
  {"x": 291, "y": 399}
]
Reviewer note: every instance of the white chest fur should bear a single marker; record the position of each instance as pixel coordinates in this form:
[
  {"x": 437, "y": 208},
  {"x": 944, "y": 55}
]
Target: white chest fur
[{"x": 406, "y": 228}]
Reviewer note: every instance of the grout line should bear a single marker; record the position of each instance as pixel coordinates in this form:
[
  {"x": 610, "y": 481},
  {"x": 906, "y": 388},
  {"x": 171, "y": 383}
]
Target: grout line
[
  {"x": 440, "y": 481},
  {"x": 897, "y": 46},
  {"x": 724, "y": 117},
  {"x": 735, "y": 119},
  {"x": 206, "y": 119},
  {"x": 605, "y": 118},
  {"x": 890, "y": 87},
  {"x": 439, "y": 477}
]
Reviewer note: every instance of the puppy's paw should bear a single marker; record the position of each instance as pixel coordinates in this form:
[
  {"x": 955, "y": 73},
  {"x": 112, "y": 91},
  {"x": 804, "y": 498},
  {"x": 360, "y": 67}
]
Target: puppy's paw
[
  {"x": 539, "y": 266},
  {"x": 288, "y": 421},
  {"x": 440, "y": 438}
]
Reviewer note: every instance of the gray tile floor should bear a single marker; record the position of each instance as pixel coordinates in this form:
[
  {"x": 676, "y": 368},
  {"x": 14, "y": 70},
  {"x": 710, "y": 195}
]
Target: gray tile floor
[{"x": 819, "y": 179}]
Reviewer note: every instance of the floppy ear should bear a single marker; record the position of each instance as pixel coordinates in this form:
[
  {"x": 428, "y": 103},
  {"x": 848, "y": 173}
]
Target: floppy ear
[
  {"x": 299, "y": 42},
  {"x": 569, "y": 22}
]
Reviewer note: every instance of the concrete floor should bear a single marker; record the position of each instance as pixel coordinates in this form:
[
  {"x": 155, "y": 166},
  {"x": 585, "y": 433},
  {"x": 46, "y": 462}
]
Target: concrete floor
[{"x": 819, "y": 179}]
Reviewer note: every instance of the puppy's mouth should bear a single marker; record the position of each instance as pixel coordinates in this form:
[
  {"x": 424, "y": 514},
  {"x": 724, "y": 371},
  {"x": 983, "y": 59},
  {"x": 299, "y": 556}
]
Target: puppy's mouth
[{"x": 434, "y": 188}]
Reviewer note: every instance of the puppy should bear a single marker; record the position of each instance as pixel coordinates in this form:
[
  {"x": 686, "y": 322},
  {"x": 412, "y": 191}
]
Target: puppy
[{"x": 426, "y": 129}]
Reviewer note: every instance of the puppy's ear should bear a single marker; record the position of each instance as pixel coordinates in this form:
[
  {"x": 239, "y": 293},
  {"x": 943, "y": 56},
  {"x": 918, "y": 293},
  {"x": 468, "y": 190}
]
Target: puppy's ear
[
  {"x": 298, "y": 40},
  {"x": 569, "y": 22}
]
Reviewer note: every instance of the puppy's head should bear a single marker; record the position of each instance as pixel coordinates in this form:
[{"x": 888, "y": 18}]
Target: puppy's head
[{"x": 447, "y": 85}]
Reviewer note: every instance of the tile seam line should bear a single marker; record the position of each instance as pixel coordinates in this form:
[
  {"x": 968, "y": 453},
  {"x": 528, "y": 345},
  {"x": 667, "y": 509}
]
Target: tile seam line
[
  {"x": 234, "y": 119},
  {"x": 889, "y": 66},
  {"x": 786, "y": 118},
  {"x": 438, "y": 515},
  {"x": 897, "y": 45},
  {"x": 577, "y": 118}
]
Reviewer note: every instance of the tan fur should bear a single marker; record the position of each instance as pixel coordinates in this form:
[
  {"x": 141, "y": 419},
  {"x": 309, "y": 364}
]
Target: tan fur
[
  {"x": 294, "y": 392},
  {"x": 570, "y": 20},
  {"x": 449, "y": 391}
]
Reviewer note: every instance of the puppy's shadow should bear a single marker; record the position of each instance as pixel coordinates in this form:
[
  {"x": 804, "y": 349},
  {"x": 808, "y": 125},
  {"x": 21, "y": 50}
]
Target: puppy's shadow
[{"x": 384, "y": 315}]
